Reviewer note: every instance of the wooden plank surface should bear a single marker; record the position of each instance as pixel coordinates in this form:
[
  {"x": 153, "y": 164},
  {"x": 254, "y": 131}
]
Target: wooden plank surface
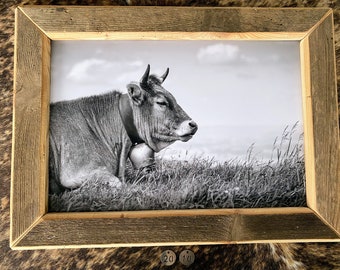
[
  {"x": 27, "y": 130},
  {"x": 73, "y": 19},
  {"x": 188, "y": 227},
  {"x": 284, "y": 36},
  {"x": 44, "y": 124},
  {"x": 325, "y": 123},
  {"x": 308, "y": 125},
  {"x": 30, "y": 229}
]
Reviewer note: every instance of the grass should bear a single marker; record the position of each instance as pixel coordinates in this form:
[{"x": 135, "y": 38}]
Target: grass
[{"x": 201, "y": 183}]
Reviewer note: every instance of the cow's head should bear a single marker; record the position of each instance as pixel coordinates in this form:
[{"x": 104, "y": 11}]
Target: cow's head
[{"x": 159, "y": 120}]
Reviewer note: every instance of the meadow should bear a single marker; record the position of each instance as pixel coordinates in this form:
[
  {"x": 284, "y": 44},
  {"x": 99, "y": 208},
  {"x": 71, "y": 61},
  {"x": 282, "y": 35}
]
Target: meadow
[{"x": 200, "y": 182}]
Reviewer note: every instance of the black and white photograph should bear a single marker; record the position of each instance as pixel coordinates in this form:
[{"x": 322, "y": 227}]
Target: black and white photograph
[{"x": 201, "y": 124}]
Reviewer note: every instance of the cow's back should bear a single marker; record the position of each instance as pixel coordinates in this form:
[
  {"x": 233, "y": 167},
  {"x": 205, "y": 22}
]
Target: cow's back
[{"x": 85, "y": 134}]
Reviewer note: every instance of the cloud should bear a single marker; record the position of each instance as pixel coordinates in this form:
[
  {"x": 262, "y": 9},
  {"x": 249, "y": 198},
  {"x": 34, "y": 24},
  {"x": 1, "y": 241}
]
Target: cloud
[
  {"x": 225, "y": 54},
  {"x": 87, "y": 69},
  {"x": 93, "y": 69},
  {"x": 136, "y": 63},
  {"x": 218, "y": 54}
]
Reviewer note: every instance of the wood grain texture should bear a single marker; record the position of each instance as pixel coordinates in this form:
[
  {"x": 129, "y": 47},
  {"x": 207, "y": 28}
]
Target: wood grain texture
[
  {"x": 176, "y": 228},
  {"x": 176, "y": 36},
  {"x": 32, "y": 227},
  {"x": 171, "y": 19},
  {"x": 45, "y": 118},
  {"x": 248, "y": 256},
  {"x": 325, "y": 122},
  {"x": 308, "y": 125},
  {"x": 26, "y": 151}
]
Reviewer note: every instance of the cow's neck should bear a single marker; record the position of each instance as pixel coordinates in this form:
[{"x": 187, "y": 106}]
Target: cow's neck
[{"x": 126, "y": 115}]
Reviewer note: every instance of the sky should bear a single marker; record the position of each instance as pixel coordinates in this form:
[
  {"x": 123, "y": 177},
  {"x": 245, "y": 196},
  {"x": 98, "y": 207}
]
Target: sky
[{"x": 239, "y": 92}]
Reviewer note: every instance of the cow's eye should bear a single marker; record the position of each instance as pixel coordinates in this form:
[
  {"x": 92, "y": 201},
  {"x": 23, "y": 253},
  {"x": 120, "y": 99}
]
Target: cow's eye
[{"x": 161, "y": 103}]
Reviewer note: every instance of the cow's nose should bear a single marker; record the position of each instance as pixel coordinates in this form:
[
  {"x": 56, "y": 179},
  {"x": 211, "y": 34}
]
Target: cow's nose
[{"x": 193, "y": 125}]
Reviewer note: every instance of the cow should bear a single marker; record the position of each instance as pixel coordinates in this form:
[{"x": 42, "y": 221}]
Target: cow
[{"x": 91, "y": 138}]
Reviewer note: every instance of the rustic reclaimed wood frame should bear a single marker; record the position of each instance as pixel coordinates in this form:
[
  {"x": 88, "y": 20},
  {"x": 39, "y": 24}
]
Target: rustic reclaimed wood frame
[{"x": 33, "y": 227}]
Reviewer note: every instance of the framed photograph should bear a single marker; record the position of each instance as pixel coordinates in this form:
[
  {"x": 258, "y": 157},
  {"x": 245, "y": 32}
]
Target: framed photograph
[
  {"x": 181, "y": 126},
  {"x": 242, "y": 149}
]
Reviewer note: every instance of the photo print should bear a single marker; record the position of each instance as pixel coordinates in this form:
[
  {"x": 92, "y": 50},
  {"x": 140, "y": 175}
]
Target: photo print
[{"x": 138, "y": 125}]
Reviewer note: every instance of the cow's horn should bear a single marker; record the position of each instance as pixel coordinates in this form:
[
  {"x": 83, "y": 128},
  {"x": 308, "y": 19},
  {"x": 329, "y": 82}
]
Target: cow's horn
[
  {"x": 163, "y": 77},
  {"x": 145, "y": 77}
]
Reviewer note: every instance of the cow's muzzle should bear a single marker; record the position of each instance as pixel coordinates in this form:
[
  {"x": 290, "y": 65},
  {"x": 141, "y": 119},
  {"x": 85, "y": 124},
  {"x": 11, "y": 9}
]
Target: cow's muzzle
[{"x": 186, "y": 130}]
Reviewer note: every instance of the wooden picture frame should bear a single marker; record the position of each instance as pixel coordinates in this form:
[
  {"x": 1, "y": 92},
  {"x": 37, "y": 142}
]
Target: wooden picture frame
[{"x": 32, "y": 227}]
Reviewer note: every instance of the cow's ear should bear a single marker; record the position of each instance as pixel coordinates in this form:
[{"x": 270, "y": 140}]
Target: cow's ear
[{"x": 135, "y": 93}]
